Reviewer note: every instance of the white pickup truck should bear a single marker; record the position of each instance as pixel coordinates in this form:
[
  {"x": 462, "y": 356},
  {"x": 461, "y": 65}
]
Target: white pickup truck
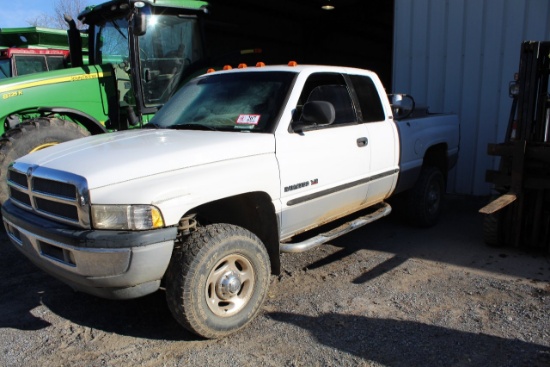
[{"x": 202, "y": 201}]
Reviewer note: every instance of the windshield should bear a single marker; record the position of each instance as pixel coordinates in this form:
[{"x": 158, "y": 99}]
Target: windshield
[
  {"x": 249, "y": 101},
  {"x": 169, "y": 46}
]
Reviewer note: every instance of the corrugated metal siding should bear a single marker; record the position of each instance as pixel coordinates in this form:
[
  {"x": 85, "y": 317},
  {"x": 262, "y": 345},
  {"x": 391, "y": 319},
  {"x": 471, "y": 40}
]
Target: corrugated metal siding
[{"x": 459, "y": 56}]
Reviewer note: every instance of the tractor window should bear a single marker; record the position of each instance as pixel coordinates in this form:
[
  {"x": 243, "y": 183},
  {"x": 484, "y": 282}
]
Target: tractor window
[
  {"x": 5, "y": 68},
  {"x": 30, "y": 64},
  {"x": 112, "y": 42},
  {"x": 170, "y": 45},
  {"x": 55, "y": 62}
]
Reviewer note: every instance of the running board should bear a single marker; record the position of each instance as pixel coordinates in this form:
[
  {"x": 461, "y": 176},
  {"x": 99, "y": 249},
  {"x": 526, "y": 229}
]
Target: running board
[{"x": 313, "y": 242}]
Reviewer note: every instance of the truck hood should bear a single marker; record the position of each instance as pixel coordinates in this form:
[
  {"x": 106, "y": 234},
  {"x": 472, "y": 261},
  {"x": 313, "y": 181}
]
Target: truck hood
[{"x": 111, "y": 158}]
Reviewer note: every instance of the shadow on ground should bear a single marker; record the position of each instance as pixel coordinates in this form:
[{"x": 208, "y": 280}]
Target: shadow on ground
[
  {"x": 396, "y": 343},
  {"x": 456, "y": 240},
  {"x": 25, "y": 288}
]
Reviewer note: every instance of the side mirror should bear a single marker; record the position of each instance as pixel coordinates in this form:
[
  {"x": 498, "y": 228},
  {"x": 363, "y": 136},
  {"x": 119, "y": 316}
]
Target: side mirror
[
  {"x": 140, "y": 23},
  {"x": 402, "y": 105},
  {"x": 315, "y": 113}
]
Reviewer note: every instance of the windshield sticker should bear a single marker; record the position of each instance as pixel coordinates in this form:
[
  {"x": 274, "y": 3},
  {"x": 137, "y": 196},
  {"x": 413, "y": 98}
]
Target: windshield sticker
[{"x": 248, "y": 119}]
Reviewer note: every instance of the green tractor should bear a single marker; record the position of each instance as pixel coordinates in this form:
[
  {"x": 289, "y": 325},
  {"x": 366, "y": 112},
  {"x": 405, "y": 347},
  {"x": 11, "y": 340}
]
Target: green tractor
[
  {"x": 138, "y": 53},
  {"x": 32, "y": 50}
]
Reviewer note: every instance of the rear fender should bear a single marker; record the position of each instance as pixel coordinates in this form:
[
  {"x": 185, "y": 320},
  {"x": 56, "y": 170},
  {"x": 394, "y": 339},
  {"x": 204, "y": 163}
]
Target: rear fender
[{"x": 88, "y": 122}]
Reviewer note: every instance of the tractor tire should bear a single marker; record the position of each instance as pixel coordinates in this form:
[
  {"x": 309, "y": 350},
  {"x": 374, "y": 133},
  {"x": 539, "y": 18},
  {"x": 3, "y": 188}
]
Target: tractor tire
[
  {"x": 494, "y": 228},
  {"x": 491, "y": 230},
  {"x": 423, "y": 202},
  {"x": 217, "y": 280},
  {"x": 30, "y": 136}
]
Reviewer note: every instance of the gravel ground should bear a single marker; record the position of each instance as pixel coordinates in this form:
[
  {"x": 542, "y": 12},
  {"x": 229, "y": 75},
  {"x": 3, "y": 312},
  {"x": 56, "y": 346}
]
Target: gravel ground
[{"x": 384, "y": 295}]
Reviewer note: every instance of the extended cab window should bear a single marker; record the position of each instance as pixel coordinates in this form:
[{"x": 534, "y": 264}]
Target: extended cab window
[
  {"x": 369, "y": 100},
  {"x": 329, "y": 87}
]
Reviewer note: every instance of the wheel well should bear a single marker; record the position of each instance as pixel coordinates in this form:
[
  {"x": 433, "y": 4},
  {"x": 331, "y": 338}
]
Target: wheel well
[
  {"x": 68, "y": 114},
  {"x": 436, "y": 156},
  {"x": 89, "y": 122},
  {"x": 252, "y": 211}
]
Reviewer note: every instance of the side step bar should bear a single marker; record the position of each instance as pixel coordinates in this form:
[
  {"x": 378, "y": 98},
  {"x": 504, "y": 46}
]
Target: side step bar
[{"x": 313, "y": 242}]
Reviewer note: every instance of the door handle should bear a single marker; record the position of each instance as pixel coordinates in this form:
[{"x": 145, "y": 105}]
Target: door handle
[{"x": 362, "y": 142}]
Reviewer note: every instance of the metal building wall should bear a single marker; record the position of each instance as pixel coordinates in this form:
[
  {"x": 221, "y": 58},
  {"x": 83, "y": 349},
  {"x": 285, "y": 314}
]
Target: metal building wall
[{"x": 459, "y": 56}]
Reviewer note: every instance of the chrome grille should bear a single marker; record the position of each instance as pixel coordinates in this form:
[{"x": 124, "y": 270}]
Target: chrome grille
[
  {"x": 20, "y": 197},
  {"x": 17, "y": 178},
  {"x": 50, "y": 193},
  {"x": 54, "y": 188},
  {"x": 62, "y": 210}
]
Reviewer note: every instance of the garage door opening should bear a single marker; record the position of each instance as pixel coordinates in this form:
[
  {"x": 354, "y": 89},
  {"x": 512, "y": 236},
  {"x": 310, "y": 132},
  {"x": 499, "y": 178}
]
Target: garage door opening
[{"x": 355, "y": 33}]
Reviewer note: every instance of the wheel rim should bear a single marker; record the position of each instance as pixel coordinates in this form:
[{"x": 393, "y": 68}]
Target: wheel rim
[
  {"x": 230, "y": 285},
  {"x": 43, "y": 146},
  {"x": 433, "y": 198}
]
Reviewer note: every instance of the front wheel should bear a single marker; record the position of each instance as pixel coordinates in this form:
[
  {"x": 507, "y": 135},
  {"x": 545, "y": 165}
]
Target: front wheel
[
  {"x": 31, "y": 136},
  {"x": 217, "y": 280}
]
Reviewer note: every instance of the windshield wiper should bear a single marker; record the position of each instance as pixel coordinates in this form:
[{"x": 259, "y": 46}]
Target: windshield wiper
[
  {"x": 117, "y": 27},
  {"x": 192, "y": 127}
]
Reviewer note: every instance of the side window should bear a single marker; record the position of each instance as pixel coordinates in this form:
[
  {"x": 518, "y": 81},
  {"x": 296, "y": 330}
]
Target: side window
[
  {"x": 369, "y": 100},
  {"x": 30, "y": 64},
  {"x": 5, "y": 68},
  {"x": 330, "y": 87},
  {"x": 55, "y": 62}
]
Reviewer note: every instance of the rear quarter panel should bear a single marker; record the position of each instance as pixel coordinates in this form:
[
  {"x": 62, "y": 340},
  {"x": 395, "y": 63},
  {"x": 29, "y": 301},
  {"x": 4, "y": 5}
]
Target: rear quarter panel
[{"x": 417, "y": 135}]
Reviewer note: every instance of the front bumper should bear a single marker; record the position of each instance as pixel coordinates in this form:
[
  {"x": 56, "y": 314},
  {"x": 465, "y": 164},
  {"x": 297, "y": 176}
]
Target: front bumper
[{"x": 108, "y": 264}]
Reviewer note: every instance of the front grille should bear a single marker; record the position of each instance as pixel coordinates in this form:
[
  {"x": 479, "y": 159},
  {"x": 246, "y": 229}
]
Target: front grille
[
  {"x": 17, "y": 178},
  {"x": 50, "y": 193},
  {"x": 68, "y": 211},
  {"x": 54, "y": 188},
  {"x": 20, "y": 196}
]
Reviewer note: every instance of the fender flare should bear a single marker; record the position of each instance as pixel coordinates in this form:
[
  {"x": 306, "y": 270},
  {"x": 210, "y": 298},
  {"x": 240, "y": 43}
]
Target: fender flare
[
  {"x": 87, "y": 121},
  {"x": 90, "y": 123}
]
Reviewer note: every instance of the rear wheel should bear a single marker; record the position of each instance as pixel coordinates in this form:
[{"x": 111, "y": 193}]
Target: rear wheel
[
  {"x": 217, "y": 280},
  {"x": 31, "y": 136},
  {"x": 424, "y": 200}
]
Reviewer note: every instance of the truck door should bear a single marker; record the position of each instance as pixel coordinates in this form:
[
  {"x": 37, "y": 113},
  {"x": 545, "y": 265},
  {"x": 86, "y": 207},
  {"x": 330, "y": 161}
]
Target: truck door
[
  {"x": 382, "y": 135},
  {"x": 324, "y": 170}
]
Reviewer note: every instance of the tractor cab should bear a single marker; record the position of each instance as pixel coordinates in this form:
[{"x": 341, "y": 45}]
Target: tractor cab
[
  {"x": 149, "y": 48},
  {"x": 24, "y": 61}
]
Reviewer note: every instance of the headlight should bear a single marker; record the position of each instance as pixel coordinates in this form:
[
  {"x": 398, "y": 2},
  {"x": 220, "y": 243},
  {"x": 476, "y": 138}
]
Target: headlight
[{"x": 126, "y": 217}]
